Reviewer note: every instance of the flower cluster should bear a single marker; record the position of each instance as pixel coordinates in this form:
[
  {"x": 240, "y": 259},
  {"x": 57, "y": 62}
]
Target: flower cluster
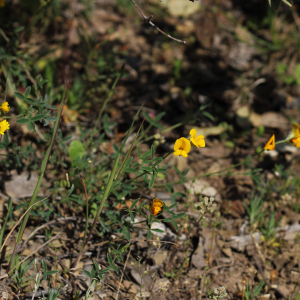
[
  {"x": 156, "y": 206},
  {"x": 292, "y": 139},
  {"x": 4, "y": 125},
  {"x": 183, "y": 146},
  {"x": 218, "y": 293}
]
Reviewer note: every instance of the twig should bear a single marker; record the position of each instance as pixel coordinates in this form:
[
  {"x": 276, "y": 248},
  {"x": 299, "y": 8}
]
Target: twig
[
  {"x": 147, "y": 20},
  {"x": 50, "y": 223},
  {"x": 123, "y": 272},
  {"x": 6, "y": 275},
  {"x": 19, "y": 222}
]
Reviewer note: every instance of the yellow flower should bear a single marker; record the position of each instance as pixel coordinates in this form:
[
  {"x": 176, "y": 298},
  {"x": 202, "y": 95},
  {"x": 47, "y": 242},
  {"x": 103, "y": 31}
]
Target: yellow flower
[
  {"x": 5, "y": 106},
  {"x": 156, "y": 206},
  {"x": 197, "y": 141},
  {"x": 4, "y": 125},
  {"x": 2, "y": 3},
  {"x": 294, "y": 138},
  {"x": 182, "y": 147},
  {"x": 270, "y": 145}
]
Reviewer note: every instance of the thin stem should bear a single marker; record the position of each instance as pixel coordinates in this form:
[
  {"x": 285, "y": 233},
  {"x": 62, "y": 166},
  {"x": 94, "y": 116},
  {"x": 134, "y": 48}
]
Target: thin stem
[
  {"x": 11, "y": 117},
  {"x": 110, "y": 94},
  {"x": 43, "y": 169},
  {"x": 217, "y": 172},
  {"x": 147, "y": 20},
  {"x": 86, "y": 212},
  {"x": 104, "y": 197}
]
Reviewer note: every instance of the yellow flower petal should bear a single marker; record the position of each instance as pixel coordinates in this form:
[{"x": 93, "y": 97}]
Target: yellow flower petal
[
  {"x": 182, "y": 145},
  {"x": 4, "y": 125},
  {"x": 158, "y": 202},
  {"x": 156, "y": 206},
  {"x": 201, "y": 143},
  {"x": 178, "y": 144},
  {"x": 270, "y": 145},
  {"x": 5, "y": 107},
  {"x": 296, "y": 129},
  {"x": 197, "y": 141},
  {"x": 193, "y": 133},
  {"x": 296, "y": 141},
  {"x": 184, "y": 154}
]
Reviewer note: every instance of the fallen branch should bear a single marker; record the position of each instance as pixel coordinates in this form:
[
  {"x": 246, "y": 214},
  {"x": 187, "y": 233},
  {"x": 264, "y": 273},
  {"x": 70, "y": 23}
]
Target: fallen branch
[{"x": 147, "y": 20}]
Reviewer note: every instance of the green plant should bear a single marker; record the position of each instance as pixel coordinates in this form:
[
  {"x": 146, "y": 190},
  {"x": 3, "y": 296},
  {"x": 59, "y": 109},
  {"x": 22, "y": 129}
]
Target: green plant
[
  {"x": 254, "y": 210},
  {"x": 253, "y": 293},
  {"x": 269, "y": 228},
  {"x": 52, "y": 294}
]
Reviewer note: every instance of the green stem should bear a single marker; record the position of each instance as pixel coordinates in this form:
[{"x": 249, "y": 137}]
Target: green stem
[
  {"x": 145, "y": 172},
  {"x": 9, "y": 210},
  {"x": 140, "y": 140},
  {"x": 110, "y": 94},
  {"x": 217, "y": 172},
  {"x": 42, "y": 172},
  {"x": 12, "y": 117},
  {"x": 104, "y": 197},
  {"x": 86, "y": 212}
]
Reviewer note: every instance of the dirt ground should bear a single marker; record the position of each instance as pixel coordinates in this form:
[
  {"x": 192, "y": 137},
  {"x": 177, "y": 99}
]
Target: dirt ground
[{"x": 241, "y": 63}]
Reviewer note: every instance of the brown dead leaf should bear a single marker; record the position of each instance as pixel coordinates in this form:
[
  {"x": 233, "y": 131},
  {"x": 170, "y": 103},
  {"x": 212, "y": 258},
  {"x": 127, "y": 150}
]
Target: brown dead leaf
[
  {"x": 275, "y": 120},
  {"x": 234, "y": 208}
]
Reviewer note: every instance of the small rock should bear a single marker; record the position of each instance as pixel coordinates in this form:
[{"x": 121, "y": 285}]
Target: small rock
[
  {"x": 22, "y": 186},
  {"x": 141, "y": 278},
  {"x": 160, "y": 256},
  {"x": 160, "y": 226},
  {"x": 200, "y": 187},
  {"x": 198, "y": 258},
  {"x": 161, "y": 284}
]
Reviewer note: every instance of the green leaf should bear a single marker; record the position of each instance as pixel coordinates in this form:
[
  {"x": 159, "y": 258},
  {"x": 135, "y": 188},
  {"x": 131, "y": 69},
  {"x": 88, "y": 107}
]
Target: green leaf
[
  {"x": 157, "y": 230},
  {"x": 208, "y": 115},
  {"x": 152, "y": 180},
  {"x": 19, "y": 95},
  {"x": 152, "y": 151},
  {"x": 178, "y": 216},
  {"x": 159, "y": 116},
  {"x": 139, "y": 151},
  {"x": 131, "y": 216},
  {"x": 175, "y": 225},
  {"x": 298, "y": 296},
  {"x": 38, "y": 117},
  {"x": 52, "y": 272},
  {"x": 110, "y": 261},
  {"x": 128, "y": 162},
  {"x": 76, "y": 150},
  {"x": 167, "y": 220},
  {"x": 31, "y": 126},
  {"x": 2, "y": 145},
  {"x": 5, "y": 139},
  {"x": 115, "y": 268},
  {"x": 18, "y": 29},
  {"x": 256, "y": 178},
  {"x": 133, "y": 205},
  {"x": 169, "y": 188},
  {"x": 149, "y": 234},
  {"x": 27, "y": 92},
  {"x": 87, "y": 273},
  {"x": 127, "y": 235},
  {"x": 145, "y": 155},
  {"x": 147, "y": 169},
  {"x": 172, "y": 206},
  {"x": 70, "y": 191},
  {"x": 22, "y": 121}
]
